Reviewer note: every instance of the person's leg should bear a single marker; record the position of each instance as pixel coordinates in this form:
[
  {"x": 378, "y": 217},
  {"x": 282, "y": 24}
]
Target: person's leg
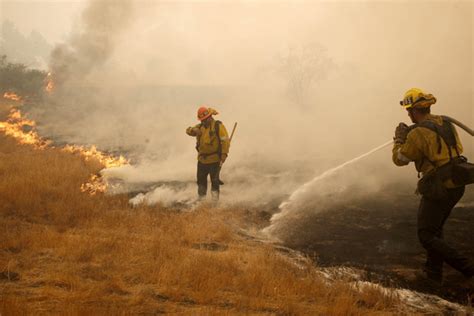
[
  {"x": 202, "y": 172},
  {"x": 432, "y": 215},
  {"x": 430, "y": 219},
  {"x": 434, "y": 261},
  {"x": 434, "y": 265},
  {"x": 215, "y": 183}
]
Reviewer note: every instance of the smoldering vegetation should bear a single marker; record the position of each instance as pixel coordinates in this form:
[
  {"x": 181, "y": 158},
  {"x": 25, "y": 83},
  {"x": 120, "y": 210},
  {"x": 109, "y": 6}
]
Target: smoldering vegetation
[{"x": 311, "y": 84}]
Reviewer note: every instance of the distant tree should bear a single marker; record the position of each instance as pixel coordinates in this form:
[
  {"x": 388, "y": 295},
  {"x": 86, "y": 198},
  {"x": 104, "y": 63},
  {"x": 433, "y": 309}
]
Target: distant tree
[
  {"x": 302, "y": 67},
  {"x": 18, "y": 78},
  {"x": 32, "y": 50}
]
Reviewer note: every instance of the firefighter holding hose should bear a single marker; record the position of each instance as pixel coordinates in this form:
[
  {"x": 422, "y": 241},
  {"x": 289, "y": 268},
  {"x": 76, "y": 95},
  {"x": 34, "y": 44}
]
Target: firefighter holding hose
[
  {"x": 432, "y": 143},
  {"x": 212, "y": 144}
]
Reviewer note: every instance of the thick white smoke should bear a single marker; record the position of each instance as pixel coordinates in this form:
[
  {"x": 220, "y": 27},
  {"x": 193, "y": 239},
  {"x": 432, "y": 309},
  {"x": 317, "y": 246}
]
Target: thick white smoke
[{"x": 311, "y": 84}]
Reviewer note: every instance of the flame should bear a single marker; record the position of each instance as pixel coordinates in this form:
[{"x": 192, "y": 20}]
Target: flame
[
  {"x": 11, "y": 96},
  {"x": 24, "y": 131},
  {"x": 108, "y": 161},
  {"x": 96, "y": 184},
  {"x": 49, "y": 83}
]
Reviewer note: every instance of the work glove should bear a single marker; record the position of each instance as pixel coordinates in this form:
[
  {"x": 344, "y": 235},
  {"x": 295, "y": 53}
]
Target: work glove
[{"x": 401, "y": 133}]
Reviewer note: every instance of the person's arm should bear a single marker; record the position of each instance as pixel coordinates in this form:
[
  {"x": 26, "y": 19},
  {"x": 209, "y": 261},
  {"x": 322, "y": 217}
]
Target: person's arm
[
  {"x": 194, "y": 131},
  {"x": 410, "y": 150}
]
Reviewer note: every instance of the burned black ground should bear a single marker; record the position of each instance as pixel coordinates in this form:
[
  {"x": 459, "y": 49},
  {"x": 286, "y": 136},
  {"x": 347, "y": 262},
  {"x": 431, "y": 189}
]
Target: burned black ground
[{"x": 379, "y": 236}]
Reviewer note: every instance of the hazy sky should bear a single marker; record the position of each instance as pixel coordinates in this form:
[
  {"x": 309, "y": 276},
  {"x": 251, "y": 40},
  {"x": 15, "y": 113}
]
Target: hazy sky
[{"x": 52, "y": 18}]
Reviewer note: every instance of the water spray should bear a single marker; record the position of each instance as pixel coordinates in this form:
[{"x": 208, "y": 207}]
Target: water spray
[
  {"x": 287, "y": 205},
  {"x": 294, "y": 196}
]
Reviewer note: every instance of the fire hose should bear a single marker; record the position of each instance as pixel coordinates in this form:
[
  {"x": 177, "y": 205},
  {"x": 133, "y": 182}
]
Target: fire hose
[
  {"x": 461, "y": 125},
  {"x": 450, "y": 120}
]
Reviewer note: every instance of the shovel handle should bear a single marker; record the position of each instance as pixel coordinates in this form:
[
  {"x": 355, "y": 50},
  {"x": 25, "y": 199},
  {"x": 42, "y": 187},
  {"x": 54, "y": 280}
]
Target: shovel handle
[{"x": 233, "y": 131}]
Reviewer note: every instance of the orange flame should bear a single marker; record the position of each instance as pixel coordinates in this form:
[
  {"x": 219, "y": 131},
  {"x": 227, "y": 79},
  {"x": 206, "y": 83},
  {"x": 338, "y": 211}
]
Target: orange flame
[
  {"x": 96, "y": 184},
  {"x": 49, "y": 83},
  {"x": 11, "y": 96},
  {"x": 24, "y": 131},
  {"x": 93, "y": 153}
]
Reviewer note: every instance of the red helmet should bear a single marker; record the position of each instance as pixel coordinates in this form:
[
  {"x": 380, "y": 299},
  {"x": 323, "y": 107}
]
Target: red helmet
[{"x": 203, "y": 113}]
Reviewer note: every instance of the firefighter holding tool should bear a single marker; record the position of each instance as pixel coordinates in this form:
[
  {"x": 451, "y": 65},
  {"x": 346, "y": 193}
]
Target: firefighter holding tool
[{"x": 212, "y": 144}]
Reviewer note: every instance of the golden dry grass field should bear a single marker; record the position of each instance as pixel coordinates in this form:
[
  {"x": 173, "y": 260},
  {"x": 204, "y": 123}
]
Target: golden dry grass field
[{"x": 63, "y": 251}]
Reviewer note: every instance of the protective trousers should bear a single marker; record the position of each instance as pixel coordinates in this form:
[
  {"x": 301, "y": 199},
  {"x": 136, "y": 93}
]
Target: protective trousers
[
  {"x": 432, "y": 214},
  {"x": 203, "y": 171}
]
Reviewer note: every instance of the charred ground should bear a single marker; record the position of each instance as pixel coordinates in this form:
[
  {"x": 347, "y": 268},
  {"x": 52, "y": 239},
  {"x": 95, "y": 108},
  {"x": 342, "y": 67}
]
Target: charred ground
[{"x": 379, "y": 235}]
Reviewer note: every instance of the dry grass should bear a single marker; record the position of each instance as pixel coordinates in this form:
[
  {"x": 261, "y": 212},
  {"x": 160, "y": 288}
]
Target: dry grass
[{"x": 63, "y": 251}]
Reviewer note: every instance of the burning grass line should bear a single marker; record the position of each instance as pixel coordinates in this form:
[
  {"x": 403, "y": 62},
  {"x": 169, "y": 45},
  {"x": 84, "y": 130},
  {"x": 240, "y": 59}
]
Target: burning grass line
[{"x": 24, "y": 131}]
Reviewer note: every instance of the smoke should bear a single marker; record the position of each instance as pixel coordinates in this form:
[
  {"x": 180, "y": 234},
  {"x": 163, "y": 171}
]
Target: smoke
[
  {"x": 93, "y": 43},
  {"x": 79, "y": 68},
  {"x": 167, "y": 196},
  {"x": 311, "y": 84}
]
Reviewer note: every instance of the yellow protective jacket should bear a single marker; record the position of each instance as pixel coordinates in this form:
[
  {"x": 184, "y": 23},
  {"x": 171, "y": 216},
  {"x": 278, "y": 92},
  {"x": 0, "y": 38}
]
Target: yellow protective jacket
[
  {"x": 421, "y": 146},
  {"x": 207, "y": 143}
]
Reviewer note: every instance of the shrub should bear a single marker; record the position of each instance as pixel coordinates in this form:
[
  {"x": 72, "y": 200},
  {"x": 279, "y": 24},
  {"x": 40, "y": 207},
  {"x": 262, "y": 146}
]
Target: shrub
[{"x": 18, "y": 78}]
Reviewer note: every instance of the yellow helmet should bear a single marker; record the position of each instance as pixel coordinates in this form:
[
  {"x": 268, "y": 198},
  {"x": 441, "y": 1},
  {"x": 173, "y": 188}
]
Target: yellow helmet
[{"x": 416, "y": 98}]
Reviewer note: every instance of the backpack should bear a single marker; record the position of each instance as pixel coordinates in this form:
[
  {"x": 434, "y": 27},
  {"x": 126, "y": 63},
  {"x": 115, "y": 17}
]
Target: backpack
[
  {"x": 217, "y": 125},
  {"x": 458, "y": 169}
]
